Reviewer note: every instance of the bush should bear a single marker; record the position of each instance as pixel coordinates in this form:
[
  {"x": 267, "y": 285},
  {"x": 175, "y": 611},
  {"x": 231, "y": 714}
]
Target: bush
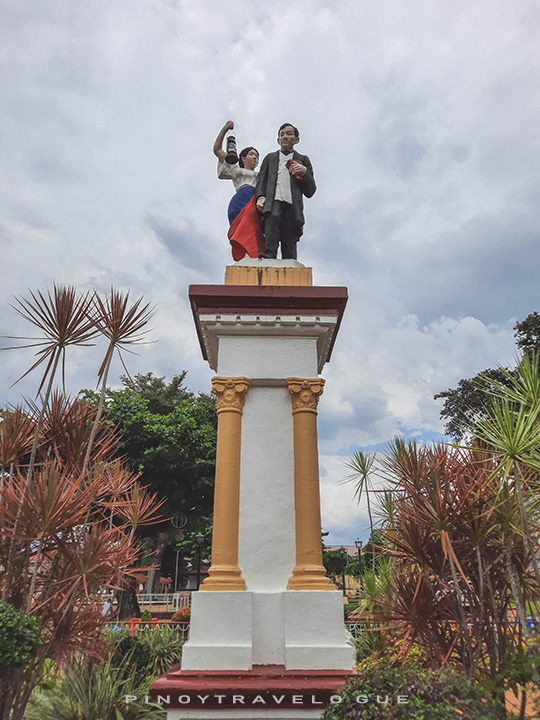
[
  {"x": 148, "y": 654},
  {"x": 129, "y": 652},
  {"x": 146, "y": 616},
  {"x": 87, "y": 691},
  {"x": 182, "y": 615},
  {"x": 20, "y": 637},
  {"x": 430, "y": 694},
  {"x": 164, "y": 648}
]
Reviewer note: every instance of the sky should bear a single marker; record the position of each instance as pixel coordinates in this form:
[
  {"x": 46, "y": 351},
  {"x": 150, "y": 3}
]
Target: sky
[{"x": 420, "y": 119}]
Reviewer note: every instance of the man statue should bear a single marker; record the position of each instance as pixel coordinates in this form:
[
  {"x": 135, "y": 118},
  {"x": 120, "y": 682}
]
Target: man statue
[{"x": 284, "y": 177}]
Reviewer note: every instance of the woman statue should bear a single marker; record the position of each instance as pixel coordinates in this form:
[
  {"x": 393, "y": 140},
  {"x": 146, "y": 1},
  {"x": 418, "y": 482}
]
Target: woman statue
[{"x": 245, "y": 234}]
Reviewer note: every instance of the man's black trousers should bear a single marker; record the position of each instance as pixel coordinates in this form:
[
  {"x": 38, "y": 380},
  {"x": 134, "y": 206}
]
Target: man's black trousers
[{"x": 279, "y": 226}]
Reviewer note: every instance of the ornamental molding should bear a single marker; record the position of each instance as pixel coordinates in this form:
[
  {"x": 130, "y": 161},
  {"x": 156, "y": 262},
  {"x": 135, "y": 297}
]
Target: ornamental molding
[
  {"x": 230, "y": 393},
  {"x": 214, "y": 326},
  {"x": 305, "y": 394}
]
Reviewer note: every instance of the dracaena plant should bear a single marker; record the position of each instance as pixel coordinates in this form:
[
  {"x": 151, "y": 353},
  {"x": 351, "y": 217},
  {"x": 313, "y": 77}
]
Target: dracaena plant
[
  {"x": 69, "y": 508},
  {"x": 461, "y": 567}
]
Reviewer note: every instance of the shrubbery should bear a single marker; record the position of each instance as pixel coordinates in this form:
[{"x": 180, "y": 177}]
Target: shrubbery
[
  {"x": 97, "y": 691},
  {"x": 20, "y": 637},
  {"x": 150, "y": 653},
  {"x": 183, "y": 615},
  {"x": 412, "y": 693}
]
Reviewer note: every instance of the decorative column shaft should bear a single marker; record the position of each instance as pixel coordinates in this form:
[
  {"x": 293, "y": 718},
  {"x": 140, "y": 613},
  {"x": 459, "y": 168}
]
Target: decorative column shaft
[
  {"x": 309, "y": 572},
  {"x": 225, "y": 574}
]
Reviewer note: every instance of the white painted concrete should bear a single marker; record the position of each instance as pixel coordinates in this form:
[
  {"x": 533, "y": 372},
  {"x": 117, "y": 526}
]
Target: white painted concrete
[
  {"x": 267, "y": 356},
  {"x": 220, "y": 634},
  {"x": 268, "y": 262},
  {"x": 266, "y": 535},
  {"x": 301, "y": 629},
  {"x": 247, "y": 714},
  {"x": 315, "y": 634},
  {"x": 267, "y": 624},
  {"x": 268, "y": 629},
  {"x": 217, "y": 326}
]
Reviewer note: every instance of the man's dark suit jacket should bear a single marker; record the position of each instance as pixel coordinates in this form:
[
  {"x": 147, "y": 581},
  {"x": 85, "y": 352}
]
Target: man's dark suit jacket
[{"x": 266, "y": 185}]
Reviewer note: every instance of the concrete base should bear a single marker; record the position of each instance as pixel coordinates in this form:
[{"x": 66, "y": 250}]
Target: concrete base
[
  {"x": 220, "y": 633},
  {"x": 300, "y": 630},
  {"x": 267, "y": 691},
  {"x": 230, "y": 714},
  {"x": 315, "y": 634}
]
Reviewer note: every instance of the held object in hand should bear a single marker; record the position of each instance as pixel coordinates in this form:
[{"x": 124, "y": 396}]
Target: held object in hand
[
  {"x": 288, "y": 164},
  {"x": 232, "y": 154}
]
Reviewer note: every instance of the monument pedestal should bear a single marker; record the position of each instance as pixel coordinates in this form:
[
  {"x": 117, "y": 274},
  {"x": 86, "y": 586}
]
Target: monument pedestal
[{"x": 266, "y": 611}]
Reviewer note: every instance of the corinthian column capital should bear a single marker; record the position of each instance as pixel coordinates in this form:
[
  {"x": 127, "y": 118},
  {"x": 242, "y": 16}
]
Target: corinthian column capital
[
  {"x": 230, "y": 393},
  {"x": 305, "y": 394}
]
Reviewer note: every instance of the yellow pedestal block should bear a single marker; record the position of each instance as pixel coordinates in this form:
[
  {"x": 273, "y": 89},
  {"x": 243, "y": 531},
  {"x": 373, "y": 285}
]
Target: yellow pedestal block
[{"x": 267, "y": 275}]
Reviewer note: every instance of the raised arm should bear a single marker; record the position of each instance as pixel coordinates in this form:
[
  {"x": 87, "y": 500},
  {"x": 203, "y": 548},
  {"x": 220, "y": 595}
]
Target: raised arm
[{"x": 219, "y": 152}]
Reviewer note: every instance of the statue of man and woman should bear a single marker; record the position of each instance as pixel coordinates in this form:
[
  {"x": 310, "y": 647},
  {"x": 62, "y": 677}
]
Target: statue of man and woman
[{"x": 267, "y": 210}]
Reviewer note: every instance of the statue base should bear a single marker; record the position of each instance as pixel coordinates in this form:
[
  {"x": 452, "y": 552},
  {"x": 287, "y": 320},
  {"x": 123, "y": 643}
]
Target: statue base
[
  {"x": 252, "y": 271},
  {"x": 268, "y": 691},
  {"x": 299, "y": 629}
]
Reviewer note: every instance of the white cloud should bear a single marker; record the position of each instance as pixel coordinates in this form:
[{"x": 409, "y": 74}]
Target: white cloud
[{"x": 420, "y": 119}]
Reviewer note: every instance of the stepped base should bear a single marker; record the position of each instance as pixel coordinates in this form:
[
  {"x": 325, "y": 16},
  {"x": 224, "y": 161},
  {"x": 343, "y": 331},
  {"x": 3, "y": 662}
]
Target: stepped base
[
  {"x": 301, "y": 630},
  {"x": 267, "y": 691}
]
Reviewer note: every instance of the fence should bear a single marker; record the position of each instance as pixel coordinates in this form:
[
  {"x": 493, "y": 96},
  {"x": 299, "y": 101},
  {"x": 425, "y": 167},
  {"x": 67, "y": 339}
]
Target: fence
[
  {"x": 355, "y": 629},
  {"x": 165, "y": 602},
  {"x": 136, "y": 627},
  {"x": 182, "y": 628}
]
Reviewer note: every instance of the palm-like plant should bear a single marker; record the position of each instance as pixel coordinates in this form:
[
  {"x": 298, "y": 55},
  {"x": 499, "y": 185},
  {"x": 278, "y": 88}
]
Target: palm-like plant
[
  {"x": 124, "y": 324},
  {"x": 93, "y": 692},
  {"x": 16, "y": 437},
  {"x": 69, "y": 510},
  {"x": 64, "y": 319},
  {"x": 451, "y": 589},
  {"x": 362, "y": 465},
  {"x": 511, "y": 432}
]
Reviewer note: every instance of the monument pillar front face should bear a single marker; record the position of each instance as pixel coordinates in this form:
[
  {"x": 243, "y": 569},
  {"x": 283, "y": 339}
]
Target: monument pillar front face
[
  {"x": 267, "y": 334},
  {"x": 224, "y": 573},
  {"x": 309, "y": 572}
]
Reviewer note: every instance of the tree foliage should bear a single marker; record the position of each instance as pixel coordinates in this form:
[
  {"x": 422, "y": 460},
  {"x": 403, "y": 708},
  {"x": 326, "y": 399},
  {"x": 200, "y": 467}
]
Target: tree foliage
[
  {"x": 168, "y": 435},
  {"x": 468, "y": 402}
]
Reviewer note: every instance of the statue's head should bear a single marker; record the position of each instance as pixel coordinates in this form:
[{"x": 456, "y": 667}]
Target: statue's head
[
  {"x": 288, "y": 136},
  {"x": 249, "y": 158}
]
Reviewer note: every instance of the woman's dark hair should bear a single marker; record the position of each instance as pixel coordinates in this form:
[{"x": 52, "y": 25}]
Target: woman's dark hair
[{"x": 243, "y": 154}]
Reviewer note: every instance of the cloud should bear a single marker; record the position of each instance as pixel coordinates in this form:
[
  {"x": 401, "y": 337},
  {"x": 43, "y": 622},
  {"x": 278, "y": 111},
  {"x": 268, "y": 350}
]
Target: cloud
[{"x": 420, "y": 120}]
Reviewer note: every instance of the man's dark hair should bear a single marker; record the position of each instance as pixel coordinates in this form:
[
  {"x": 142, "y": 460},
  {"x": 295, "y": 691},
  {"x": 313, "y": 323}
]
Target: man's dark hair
[
  {"x": 296, "y": 133},
  {"x": 243, "y": 154}
]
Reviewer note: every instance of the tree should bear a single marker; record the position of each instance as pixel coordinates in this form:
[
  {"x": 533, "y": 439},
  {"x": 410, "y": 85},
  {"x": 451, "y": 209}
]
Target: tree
[
  {"x": 528, "y": 333},
  {"x": 468, "y": 402},
  {"x": 69, "y": 510},
  {"x": 460, "y": 564},
  {"x": 168, "y": 435},
  {"x": 361, "y": 463}
]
